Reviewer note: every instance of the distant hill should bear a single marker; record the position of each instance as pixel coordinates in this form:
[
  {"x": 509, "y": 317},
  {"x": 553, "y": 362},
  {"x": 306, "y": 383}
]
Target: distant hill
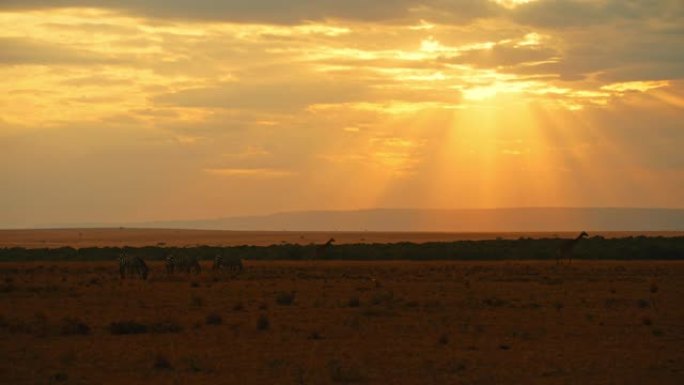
[{"x": 464, "y": 220}]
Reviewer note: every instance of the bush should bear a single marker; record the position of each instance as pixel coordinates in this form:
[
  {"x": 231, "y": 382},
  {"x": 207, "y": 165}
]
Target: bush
[
  {"x": 263, "y": 323},
  {"x": 133, "y": 327},
  {"x": 315, "y": 336},
  {"x": 285, "y": 298},
  {"x": 59, "y": 377},
  {"x": 162, "y": 363},
  {"x": 342, "y": 373},
  {"x": 196, "y": 301},
  {"x": 386, "y": 297},
  {"x": 127, "y": 327},
  {"x": 214, "y": 319},
  {"x": 165, "y": 327},
  {"x": 73, "y": 326}
]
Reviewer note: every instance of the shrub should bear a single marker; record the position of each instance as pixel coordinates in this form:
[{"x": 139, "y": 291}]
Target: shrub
[
  {"x": 285, "y": 298},
  {"x": 383, "y": 297},
  {"x": 346, "y": 374},
  {"x": 214, "y": 319},
  {"x": 193, "y": 364},
  {"x": 263, "y": 323},
  {"x": 162, "y": 363},
  {"x": 196, "y": 301},
  {"x": 165, "y": 327},
  {"x": 494, "y": 302},
  {"x": 127, "y": 327},
  {"x": 654, "y": 288},
  {"x": 315, "y": 336},
  {"x": 59, "y": 377},
  {"x": 73, "y": 326}
]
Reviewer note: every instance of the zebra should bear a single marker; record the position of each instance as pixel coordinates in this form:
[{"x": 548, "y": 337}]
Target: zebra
[
  {"x": 232, "y": 263},
  {"x": 129, "y": 265},
  {"x": 182, "y": 262}
]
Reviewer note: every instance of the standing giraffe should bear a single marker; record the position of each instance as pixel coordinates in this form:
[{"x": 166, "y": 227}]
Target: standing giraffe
[
  {"x": 321, "y": 250},
  {"x": 566, "y": 248}
]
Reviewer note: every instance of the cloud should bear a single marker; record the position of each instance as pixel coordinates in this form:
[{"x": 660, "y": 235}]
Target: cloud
[
  {"x": 282, "y": 12},
  {"x": 562, "y": 14},
  {"x": 17, "y": 50},
  {"x": 272, "y": 96},
  {"x": 263, "y": 11},
  {"x": 503, "y": 55}
]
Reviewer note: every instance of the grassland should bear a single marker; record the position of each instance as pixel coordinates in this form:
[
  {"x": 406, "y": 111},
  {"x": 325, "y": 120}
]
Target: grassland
[{"x": 337, "y": 322}]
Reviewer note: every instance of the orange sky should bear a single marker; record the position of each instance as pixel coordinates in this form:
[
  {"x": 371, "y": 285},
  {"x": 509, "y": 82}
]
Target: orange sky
[{"x": 154, "y": 110}]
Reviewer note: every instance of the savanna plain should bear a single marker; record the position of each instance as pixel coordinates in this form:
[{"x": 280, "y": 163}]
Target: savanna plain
[{"x": 330, "y": 322}]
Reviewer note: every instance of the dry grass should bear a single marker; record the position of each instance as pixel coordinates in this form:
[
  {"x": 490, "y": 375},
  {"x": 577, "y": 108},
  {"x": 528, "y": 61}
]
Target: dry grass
[{"x": 524, "y": 322}]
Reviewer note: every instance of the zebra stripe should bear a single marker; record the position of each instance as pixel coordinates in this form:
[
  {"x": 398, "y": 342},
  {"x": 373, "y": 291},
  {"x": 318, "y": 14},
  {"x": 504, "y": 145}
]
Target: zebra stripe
[
  {"x": 183, "y": 263},
  {"x": 232, "y": 263},
  {"x": 129, "y": 265}
]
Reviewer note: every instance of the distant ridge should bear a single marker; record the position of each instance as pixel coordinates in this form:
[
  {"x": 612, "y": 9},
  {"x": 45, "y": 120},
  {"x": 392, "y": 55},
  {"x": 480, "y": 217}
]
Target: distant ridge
[{"x": 459, "y": 220}]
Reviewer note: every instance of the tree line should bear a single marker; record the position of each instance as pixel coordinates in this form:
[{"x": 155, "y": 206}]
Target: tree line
[{"x": 594, "y": 248}]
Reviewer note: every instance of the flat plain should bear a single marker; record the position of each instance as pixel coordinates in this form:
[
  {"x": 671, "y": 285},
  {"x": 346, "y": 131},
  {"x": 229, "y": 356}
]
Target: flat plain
[
  {"x": 119, "y": 237},
  {"x": 334, "y": 322}
]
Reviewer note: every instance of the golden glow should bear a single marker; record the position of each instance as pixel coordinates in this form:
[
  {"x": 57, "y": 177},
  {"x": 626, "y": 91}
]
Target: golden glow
[
  {"x": 328, "y": 113},
  {"x": 512, "y": 3},
  {"x": 641, "y": 86}
]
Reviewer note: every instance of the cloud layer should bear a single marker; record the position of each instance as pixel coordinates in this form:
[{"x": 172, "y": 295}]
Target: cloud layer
[{"x": 202, "y": 109}]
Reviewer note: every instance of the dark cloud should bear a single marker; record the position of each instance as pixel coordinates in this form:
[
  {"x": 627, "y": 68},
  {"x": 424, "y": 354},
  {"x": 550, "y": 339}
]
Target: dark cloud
[
  {"x": 559, "y": 14},
  {"x": 270, "y": 11},
  {"x": 276, "y": 11},
  {"x": 28, "y": 51}
]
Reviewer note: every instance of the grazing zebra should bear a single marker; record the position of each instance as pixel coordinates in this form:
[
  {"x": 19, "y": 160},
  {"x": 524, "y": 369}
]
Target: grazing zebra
[
  {"x": 182, "y": 262},
  {"x": 232, "y": 263},
  {"x": 129, "y": 265}
]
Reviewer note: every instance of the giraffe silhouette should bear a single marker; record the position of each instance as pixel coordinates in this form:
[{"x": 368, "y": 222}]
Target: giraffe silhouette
[
  {"x": 321, "y": 250},
  {"x": 566, "y": 248}
]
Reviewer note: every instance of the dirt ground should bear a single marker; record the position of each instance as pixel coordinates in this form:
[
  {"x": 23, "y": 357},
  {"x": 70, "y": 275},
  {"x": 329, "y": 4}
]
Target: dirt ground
[
  {"x": 345, "y": 322},
  {"x": 47, "y": 238}
]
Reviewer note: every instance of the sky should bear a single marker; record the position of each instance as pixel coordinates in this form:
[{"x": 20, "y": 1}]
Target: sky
[{"x": 148, "y": 110}]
